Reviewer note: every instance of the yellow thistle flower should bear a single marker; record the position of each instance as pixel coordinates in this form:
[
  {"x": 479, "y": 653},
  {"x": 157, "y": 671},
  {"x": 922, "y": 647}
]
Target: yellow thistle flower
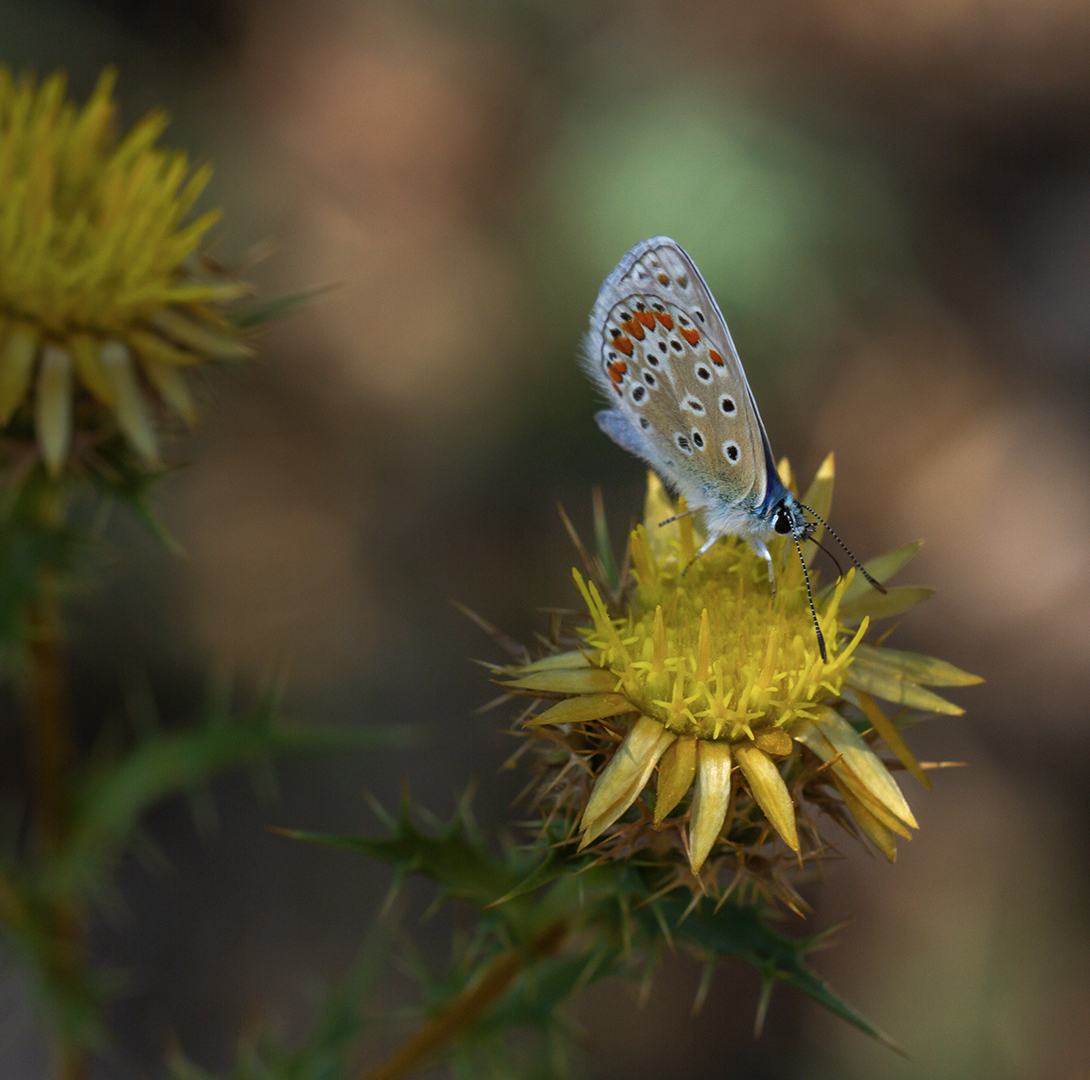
[
  {"x": 101, "y": 309},
  {"x": 716, "y": 682}
]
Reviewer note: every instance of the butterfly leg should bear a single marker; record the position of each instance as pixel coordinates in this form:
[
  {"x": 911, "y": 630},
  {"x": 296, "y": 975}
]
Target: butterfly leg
[
  {"x": 704, "y": 548},
  {"x": 761, "y": 548}
]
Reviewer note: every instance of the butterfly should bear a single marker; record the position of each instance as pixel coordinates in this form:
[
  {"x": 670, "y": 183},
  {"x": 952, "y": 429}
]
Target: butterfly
[{"x": 659, "y": 349}]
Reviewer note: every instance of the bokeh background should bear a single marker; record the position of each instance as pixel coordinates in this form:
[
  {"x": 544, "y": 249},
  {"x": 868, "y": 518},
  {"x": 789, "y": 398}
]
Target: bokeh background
[{"x": 891, "y": 201}]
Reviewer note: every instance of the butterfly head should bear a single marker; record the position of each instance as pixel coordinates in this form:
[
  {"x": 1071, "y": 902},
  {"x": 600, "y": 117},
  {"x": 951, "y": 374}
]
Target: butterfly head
[{"x": 787, "y": 520}]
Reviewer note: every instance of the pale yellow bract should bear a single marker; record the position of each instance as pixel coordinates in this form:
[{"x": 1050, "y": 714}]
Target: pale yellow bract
[{"x": 713, "y": 678}]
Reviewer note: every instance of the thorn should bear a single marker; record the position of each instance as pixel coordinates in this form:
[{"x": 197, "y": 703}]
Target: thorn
[{"x": 762, "y": 1006}]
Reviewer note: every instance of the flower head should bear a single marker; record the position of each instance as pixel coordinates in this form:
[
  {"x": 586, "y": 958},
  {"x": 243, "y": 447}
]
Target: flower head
[
  {"x": 711, "y": 689},
  {"x": 102, "y": 306}
]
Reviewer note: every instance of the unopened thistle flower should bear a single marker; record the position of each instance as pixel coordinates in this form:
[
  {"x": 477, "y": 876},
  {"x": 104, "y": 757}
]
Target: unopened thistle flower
[
  {"x": 706, "y": 704},
  {"x": 103, "y": 310}
]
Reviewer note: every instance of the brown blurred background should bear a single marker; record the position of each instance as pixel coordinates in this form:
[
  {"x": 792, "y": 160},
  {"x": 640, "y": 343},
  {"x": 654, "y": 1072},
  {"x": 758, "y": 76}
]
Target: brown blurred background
[{"x": 891, "y": 201}]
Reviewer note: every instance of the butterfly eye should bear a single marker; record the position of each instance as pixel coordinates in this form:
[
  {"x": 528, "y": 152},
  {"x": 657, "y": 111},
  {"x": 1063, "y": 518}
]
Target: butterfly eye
[{"x": 782, "y": 523}]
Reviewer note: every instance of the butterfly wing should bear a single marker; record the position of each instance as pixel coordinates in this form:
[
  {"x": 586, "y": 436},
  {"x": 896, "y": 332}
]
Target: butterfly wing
[{"x": 659, "y": 348}]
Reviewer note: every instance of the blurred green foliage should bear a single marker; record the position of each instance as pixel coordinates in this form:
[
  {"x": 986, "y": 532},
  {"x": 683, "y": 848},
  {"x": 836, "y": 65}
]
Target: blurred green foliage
[
  {"x": 782, "y": 225},
  {"x": 85, "y": 810}
]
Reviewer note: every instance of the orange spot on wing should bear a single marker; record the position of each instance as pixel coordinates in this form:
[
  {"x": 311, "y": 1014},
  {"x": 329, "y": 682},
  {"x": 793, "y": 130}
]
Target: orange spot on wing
[
  {"x": 663, "y": 279},
  {"x": 617, "y": 370},
  {"x": 691, "y": 336},
  {"x": 632, "y": 327},
  {"x": 716, "y": 358},
  {"x": 623, "y": 344},
  {"x": 647, "y": 319},
  {"x": 666, "y": 320}
]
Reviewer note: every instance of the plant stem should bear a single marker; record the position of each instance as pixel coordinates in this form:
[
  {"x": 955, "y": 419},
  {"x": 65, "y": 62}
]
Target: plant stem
[
  {"x": 51, "y": 757},
  {"x": 460, "y": 1014},
  {"x": 47, "y": 707}
]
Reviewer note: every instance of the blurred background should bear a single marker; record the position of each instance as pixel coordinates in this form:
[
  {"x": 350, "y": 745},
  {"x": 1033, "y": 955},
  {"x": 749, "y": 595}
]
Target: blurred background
[{"x": 891, "y": 201}]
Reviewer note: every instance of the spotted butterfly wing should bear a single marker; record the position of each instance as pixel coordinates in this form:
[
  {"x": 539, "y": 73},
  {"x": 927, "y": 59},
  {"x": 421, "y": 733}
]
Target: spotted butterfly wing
[{"x": 660, "y": 350}]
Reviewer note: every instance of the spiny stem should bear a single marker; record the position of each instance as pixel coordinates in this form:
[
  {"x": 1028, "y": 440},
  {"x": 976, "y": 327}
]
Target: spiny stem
[
  {"x": 47, "y": 712},
  {"x": 51, "y": 755},
  {"x": 467, "y": 1006}
]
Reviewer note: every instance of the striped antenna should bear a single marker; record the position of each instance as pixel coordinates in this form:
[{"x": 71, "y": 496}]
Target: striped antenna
[
  {"x": 810, "y": 598},
  {"x": 858, "y": 565}
]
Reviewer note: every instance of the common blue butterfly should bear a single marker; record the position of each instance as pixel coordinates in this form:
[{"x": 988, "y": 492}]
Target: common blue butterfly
[{"x": 659, "y": 349}]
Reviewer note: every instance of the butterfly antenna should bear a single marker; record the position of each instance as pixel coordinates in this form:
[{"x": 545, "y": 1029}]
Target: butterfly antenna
[
  {"x": 858, "y": 565},
  {"x": 810, "y": 600},
  {"x": 676, "y": 517},
  {"x": 836, "y": 561}
]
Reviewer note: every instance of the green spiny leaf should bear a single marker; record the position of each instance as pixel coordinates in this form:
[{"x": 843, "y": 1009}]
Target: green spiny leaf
[
  {"x": 110, "y": 800},
  {"x": 546, "y": 871},
  {"x": 453, "y": 859},
  {"x": 277, "y": 308},
  {"x": 739, "y": 931}
]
